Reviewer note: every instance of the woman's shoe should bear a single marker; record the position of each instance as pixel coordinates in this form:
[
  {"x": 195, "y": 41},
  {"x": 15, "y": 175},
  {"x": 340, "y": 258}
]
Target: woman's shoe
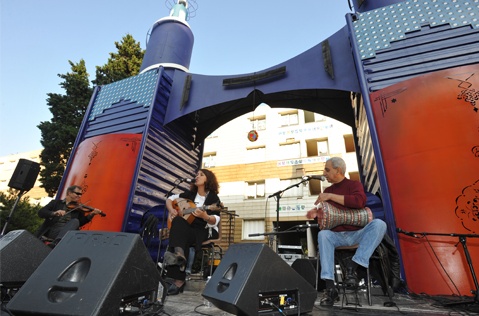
[
  {"x": 181, "y": 261},
  {"x": 175, "y": 259},
  {"x": 175, "y": 290},
  {"x": 170, "y": 259}
]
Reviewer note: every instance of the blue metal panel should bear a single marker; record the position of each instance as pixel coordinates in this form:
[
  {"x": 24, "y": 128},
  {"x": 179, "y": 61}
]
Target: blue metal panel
[
  {"x": 171, "y": 41},
  {"x": 402, "y": 41},
  {"x": 123, "y": 117},
  {"x": 138, "y": 89},
  {"x": 167, "y": 155},
  {"x": 377, "y": 29}
]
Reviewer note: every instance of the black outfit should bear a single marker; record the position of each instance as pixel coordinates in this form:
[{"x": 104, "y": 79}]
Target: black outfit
[
  {"x": 55, "y": 227},
  {"x": 185, "y": 235}
]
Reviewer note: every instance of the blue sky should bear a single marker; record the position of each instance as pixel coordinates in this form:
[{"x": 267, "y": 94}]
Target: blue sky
[{"x": 38, "y": 37}]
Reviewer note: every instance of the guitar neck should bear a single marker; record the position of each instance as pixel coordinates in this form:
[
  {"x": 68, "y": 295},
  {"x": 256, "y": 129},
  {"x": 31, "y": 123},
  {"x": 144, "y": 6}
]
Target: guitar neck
[{"x": 192, "y": 209}]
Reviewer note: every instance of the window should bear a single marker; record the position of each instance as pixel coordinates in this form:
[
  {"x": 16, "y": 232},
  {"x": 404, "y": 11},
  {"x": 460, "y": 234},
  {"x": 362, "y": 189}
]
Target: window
[
  {"x": 289, "y": 150},
  {"x": 253, "y": 226},
  {"x": 317, "y": 147},
  {"x": 349, "y": 143},
  {"x": 258, "y": 123},
  {"x": 289, "y": 118},
  {"x": 294, "y": 191},
  {"x": 256, "y": 154},
  {"x": 316, "y": 186},
  {"x": 254, "y": 190},
  {"x": 354, "y": 175},
  {"x": 209, "y": 160},
  {"x": 310, "y": 117}
]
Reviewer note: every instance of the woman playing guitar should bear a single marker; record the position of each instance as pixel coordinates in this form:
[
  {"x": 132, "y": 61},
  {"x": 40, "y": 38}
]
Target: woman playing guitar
[{"x": 202, "y": 202}]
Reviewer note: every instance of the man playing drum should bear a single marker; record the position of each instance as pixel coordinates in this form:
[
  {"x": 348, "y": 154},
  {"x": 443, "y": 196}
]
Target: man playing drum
[{"x": 343, "y": 194}]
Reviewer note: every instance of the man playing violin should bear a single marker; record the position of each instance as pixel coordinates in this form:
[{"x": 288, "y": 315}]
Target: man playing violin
[{"x": 64, "y": 215}]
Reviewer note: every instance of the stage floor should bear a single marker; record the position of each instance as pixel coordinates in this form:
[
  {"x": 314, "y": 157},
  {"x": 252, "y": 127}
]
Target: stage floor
[{"x": 191, "y": 302}]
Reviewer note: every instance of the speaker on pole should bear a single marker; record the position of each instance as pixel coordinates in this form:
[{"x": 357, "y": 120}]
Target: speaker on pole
[
  {"x": 89, "y": 273},
  {"x": 21, "y": 254},
  {"x": 253, "y": 280},
  {"x": 25, "y": 175}
]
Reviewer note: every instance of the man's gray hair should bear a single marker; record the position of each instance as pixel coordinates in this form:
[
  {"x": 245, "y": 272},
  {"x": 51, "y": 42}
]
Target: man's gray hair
[{"x": 338, "y": 162}]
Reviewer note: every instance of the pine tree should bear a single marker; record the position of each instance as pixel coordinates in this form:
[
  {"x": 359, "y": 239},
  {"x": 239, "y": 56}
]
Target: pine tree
[
  {"x": 24, "y": 216},
  {"x": 121, "y": 65},
  {"x": 68, "y": 110},
  {"x": 59, "y": 134}
]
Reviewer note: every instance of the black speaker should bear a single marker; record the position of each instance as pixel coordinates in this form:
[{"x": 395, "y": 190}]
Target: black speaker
[
  {"x": 307, "y": 269},
  {"x": 25, "y": 175},
  {"x": 89, "y": 273},
  {"x": 20, "y": 255},
  {"x": 253, "y": 280}
]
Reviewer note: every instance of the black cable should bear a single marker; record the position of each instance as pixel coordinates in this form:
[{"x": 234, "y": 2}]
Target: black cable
[
  {"x": 440, "y": 263},
  {"x": 196, "y": 310}
]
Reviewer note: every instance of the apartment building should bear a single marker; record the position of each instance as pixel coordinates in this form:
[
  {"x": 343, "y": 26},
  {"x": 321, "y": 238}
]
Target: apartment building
[{"x": 262, "y": 180}]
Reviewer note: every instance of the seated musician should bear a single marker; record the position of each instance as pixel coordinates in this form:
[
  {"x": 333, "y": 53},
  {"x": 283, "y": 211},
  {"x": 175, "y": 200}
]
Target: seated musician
[
  {"x": 64, "y": 215},
  {"x": 344, "y": 194},
  {"x": 193, "y": 229}
]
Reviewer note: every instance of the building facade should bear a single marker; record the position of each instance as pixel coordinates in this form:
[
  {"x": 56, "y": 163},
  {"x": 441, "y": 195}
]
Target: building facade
[{"x": 290, "y": 145}]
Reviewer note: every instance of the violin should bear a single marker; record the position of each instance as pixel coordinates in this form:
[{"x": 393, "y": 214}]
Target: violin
[{"x": 75, "y": 206}]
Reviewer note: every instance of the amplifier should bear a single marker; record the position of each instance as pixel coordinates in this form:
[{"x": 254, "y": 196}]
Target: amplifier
[{"x": 290, "y": 253}]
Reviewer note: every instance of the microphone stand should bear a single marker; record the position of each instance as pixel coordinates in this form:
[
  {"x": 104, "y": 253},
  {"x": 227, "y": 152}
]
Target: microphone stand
[
  {"x": 19, "y": 196},
  {"x": 462, "y": 240},
  {"x": 231, "y": 216},
  {"x": 294, "y": 229},
  {"x": 278, "y": 197}
]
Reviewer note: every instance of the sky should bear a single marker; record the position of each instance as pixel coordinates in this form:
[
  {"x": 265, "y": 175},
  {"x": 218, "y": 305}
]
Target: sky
[{"x": 39, "y": 37}]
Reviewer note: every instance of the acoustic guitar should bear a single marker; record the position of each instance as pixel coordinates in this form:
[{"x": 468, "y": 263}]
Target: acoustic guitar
[{"x": 185, "y": 207}]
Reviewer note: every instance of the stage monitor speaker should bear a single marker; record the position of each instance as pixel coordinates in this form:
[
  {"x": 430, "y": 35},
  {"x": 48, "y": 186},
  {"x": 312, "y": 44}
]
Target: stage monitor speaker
[
  {"x": 89, "y": 273},
  {"x": 252, "y": 279},
  {"x": 21, "y": 254},
  {"x": 25, "y": 175},
  {"x": 307, "y": 269}
]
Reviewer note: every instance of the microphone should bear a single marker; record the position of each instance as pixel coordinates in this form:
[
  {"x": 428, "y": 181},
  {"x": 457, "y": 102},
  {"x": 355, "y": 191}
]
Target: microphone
[
  {"x": 187, "y": 180},
  {"x": 399, "y": 230},
  {"x": 322, "y": 178},
  {"x": 307, "y": 225}
]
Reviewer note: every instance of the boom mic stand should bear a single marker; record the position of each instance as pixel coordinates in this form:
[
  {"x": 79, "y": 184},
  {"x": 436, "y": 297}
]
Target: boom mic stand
[
  {"x": 462, "y": 240},
  {"x": 294, "y": 229},
  {"x": 278, "y": 197},
  {"x": 19, "y": 196}
]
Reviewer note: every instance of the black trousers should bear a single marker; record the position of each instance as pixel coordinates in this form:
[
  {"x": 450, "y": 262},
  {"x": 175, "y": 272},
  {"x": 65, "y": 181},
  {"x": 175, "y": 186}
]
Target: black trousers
[
  {"x": 57, "y": 232},
  {"x": 184, "y": 235}
]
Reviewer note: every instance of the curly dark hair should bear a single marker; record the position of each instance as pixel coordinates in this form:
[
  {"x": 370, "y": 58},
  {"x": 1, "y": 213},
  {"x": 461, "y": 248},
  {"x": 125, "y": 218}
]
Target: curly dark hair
[{"x": 211, "y": 182}]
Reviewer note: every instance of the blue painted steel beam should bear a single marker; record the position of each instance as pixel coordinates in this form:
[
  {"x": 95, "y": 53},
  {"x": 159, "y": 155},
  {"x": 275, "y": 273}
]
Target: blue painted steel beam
[{"x": 305, "y": 83}]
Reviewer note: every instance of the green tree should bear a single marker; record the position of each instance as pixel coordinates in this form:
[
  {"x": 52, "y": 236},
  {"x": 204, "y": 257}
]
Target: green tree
[
  {"x": 68, "y": 110},
  {"x": 123, "y": 64},
  {"x": 24, "y": 215},
  {"x": 58, "y": 135}
]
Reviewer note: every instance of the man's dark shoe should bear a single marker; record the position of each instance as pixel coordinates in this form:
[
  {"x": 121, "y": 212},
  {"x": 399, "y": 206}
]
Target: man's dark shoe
[
  {"x": 329, "y": 297},
  {"x": 351, "y": 278}
]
